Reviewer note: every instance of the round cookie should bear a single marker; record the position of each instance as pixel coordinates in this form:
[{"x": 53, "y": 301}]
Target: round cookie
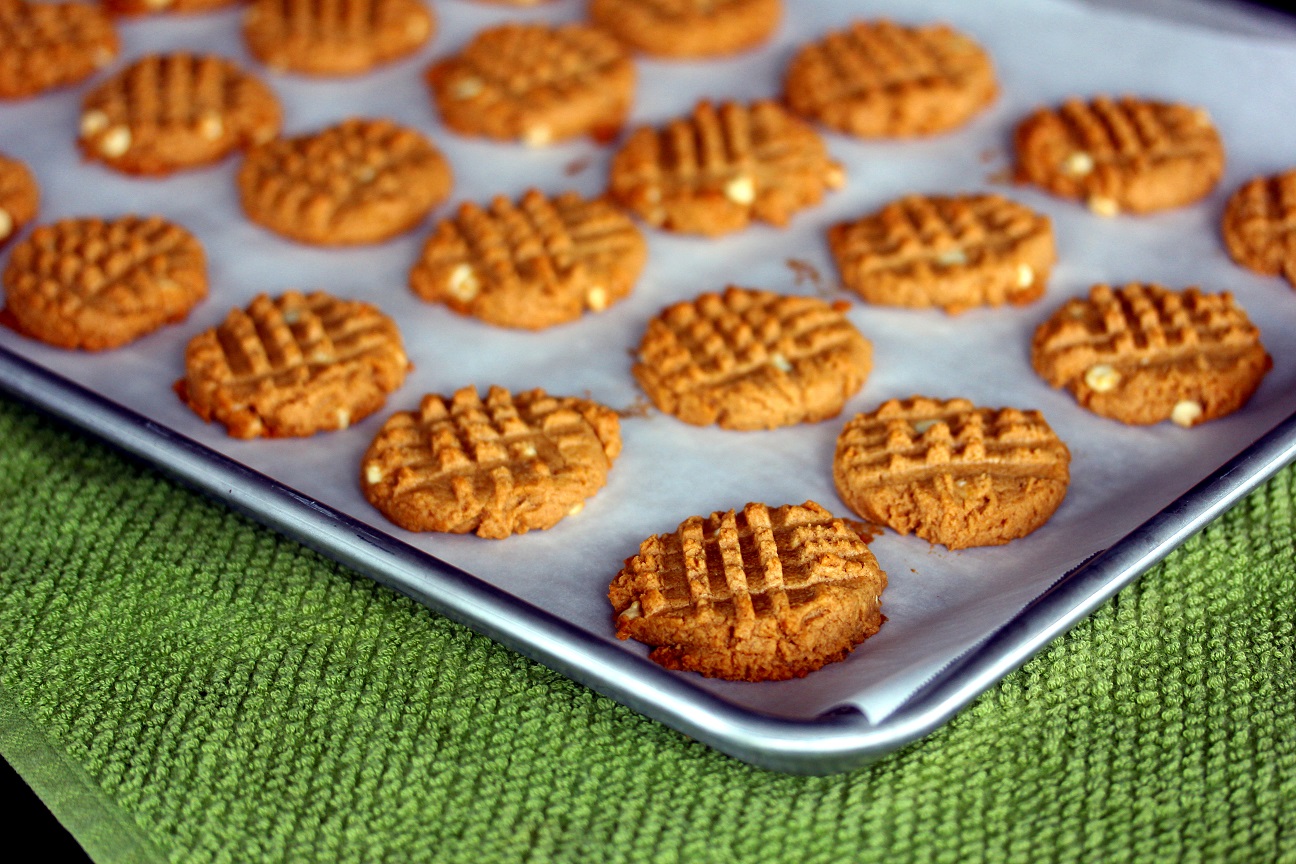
[
  {"x": 879, "y": 79},
  {"x": 168, "y": 112},
  {"x": 688, "y": 29},
  {"x": 1120, "y": 155},
  {"x": 1142, "y": 353},
  {"x": 335, "y": 37},
  {"x": 722, "y": 167},
  {"x": 759, "y": 595},
  {"x": 950, "y": 252},
  {"x": 535, "y": 83},
  {"x": 1259, "y": 225},
  {"x": 950, "y": 472},
  {"x": 19, "y": 198},
  {"x": 48, "y": 45},
  {"x": 499, "y": 466},
  {"x": 360, "y": 181},
  {"x": 532, "y": 264},
  {"x": 96, "y": 284},
  {"x": 750, "y": 359},
  {"x": 166, "y": 7},
  {"x": 293, "y": 365}
]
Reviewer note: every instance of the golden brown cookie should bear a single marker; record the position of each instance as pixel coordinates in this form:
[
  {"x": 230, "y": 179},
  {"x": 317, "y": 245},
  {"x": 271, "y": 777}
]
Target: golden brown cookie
[
  {"x": 1259, "y": 225},
  {"x": 879, "y": 79},
  {"x": 688, "y": 29},
  {"x": 360, "y": 181},
  {"x": 166, "y": 7},
  {"x": 293, "y": 365},
  {"x": 19, "y": 197},
  {"x": 1120, "y": 155},
  {"x": 48, "y": 45},
  {"x": 950, "y": 472},
  {"x": 531, "y": 264},
  {"x": 535, "y": 83},
  {"x": 722, "y": 167},
  {"x": 750, "y": 359},
  {"x": 335, "y": 37},
  {"x": 1142, "y": 353},
  {"x": 498, "y": 466},
  {"x": 759, "y": 595},
  {"x": 951, "y": 252},
  {"x": 168, "y": 112},
  {"x": 96, "y": 284}
]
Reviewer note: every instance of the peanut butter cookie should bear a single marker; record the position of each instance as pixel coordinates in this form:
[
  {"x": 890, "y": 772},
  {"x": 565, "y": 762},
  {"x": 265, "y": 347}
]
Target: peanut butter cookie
[
  {"x": 951, "y": 252},
  {"x": 722, "y": 167},
  {"x": 1121, "y": 155},
  {"x": 879, "y": 79},
  {"x": 750, "y": 359},
  {"x": 503, "y": 465},
  {"x": 765, "y": 594},
  {"x": 531, "y": 264},
  {"x": 1142, "y": 353},
  {"x": 950, "y": 472},
  {"x": 1259, "y": 225},
  {"x": 96, "y": 284},
  {"x": 360, "y": 181},
  {"x": 293, "y": 365},
  {"x": 335, "y": 37},
  {"x": 19, "y": 197},
  {"x": 688, "y": 29},
  {"x": 48, "y": 45}
]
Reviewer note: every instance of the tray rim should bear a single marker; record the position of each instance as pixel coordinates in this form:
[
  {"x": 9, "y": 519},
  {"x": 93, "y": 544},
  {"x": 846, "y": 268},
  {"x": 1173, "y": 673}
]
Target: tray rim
[{"x": 835, "y": 742}]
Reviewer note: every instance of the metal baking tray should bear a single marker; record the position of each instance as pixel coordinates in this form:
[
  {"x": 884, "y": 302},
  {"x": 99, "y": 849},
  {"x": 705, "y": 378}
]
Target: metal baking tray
[{"x": 957, "y": 622}]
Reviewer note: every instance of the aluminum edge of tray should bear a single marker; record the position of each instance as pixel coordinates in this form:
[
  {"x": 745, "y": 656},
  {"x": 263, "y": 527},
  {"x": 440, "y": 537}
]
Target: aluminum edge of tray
[{"x": 835, "y": 742}]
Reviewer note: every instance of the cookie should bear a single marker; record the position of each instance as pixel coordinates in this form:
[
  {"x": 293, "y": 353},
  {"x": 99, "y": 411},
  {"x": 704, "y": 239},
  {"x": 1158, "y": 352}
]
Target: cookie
[
  {"x": 535, "y": 83},
  {"x": 335, "y": 37},
  {"x": 1142, "y": 353},
  {"x": 879, "y": 79},
  {"x": 49, "y": 45},
  {"x": 169, "y": 112},
  {"x": 539, "y": 262},
  {"x": 19, "y": 198},
  {"x": 721, "y": 167},
  {"x": 96, "y": 284},
  {"x": 166, "y": 7},
  {"x": 1120, "y": 155},
  {"x": 765, "y": 594},
  {"x": 688, "y": 29},
  {"x": 950, "y": 472},
  {"x": 950, "y": 252},
  {"x": 503, "y": 465},
  {"x": 360, "y": 181},
  {"x": 1259, "y": 225},
  {"x": 751, "y": 359},
  {"x": 293, "y": 365}
]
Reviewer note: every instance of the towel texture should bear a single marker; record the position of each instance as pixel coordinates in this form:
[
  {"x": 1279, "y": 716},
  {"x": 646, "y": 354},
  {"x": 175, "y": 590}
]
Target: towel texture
[{"x": 180, "y": 684}]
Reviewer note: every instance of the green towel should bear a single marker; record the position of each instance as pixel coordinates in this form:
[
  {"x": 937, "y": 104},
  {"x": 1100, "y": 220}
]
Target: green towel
[{"x": 180, "y": 684}]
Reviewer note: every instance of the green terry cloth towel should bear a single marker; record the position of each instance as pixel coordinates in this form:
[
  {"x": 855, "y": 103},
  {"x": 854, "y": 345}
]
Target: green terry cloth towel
[{"x": 180, "y": 684}]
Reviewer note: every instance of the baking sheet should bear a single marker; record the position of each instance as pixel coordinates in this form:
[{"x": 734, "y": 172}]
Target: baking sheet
[{"x": 939, "y": 604}]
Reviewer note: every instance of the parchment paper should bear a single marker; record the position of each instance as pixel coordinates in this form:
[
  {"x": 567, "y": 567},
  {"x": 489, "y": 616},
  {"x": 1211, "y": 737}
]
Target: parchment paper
[{"x": 939, "y": 604}]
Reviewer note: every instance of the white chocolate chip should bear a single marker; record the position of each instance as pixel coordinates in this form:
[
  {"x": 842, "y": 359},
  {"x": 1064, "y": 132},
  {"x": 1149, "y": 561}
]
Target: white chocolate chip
[
  {"x": 115, "y": 142},
  {"x": 952, "y": 257},
  {"x": 291, "y": 316},
  {"x": 1103, "y": 206},
  {"x": 576, "y": 508},
  {"x": 741, "y": 190},
  {"x": 634, "y": 610},
  {"x": 93, "y": 121},
  {"x": 921, "y": 426},
  {"x": 596, "y": 298},
  {"x": 463, "y": 283},
  {"x": 537, "y": 136},
  {"x": 466, "y": 88},
  {"x": 1186, "y": 413},
  {"x": 373, "y": 474},
  {"x": 779, "y": 362},
  {"x": 1025, "y": 275},
  {"x": 1101, "y": 378},
  {"x": 527, "y": 451},
  {"x": 835, "y": 176},
  {"x": 6, "y": 223},
  {"x": 211, "y": 126},
  {"x": 343, "y": 418},
  {"x": 1078, "y": 164}
]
